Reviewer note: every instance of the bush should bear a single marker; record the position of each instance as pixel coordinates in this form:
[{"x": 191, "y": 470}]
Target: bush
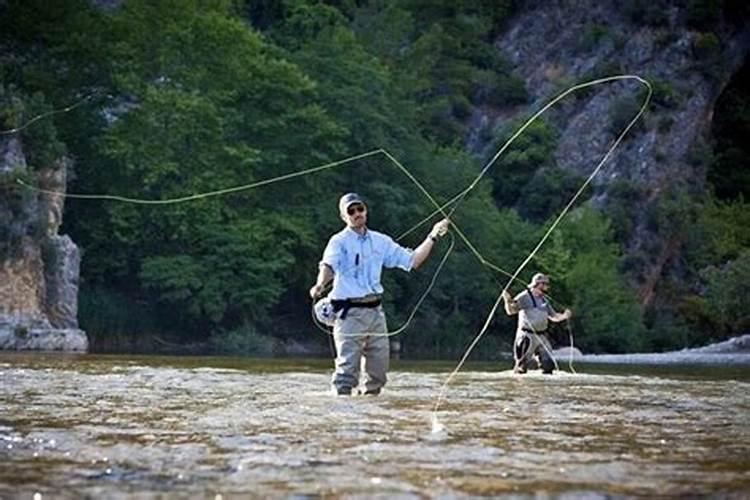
[
  {"x": 622, "y": 113},
  {"x": 706, "y": 46},
  {"x": 700, "y": 154},
  {"x": 727, "y": 293},
  {"x": 11, "y": 108},
  {"x": 664, "y": 124},
  {"x": 532, "y": 150},
  {"x": 594, "y": 34},
  {"x": 664, "y": 95},
  {"x": 548, "y": 192},
  {"x": 507, "y": 90},
  {"x": 585, "y": 265}
]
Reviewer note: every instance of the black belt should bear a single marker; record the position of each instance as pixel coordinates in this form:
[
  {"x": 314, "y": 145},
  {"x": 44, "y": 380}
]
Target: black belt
[
  {"x": 529, "y": 330},
  {"x": 344, "y": 305}
]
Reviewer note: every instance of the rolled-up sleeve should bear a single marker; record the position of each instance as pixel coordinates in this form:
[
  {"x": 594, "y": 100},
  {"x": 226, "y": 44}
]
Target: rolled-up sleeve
[
  {"x": 332, "y": 254},
  {"x": 397, "y": 256}
]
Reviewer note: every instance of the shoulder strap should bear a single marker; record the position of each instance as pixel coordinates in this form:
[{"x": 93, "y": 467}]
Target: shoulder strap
[{"x": 533, "y": 300}]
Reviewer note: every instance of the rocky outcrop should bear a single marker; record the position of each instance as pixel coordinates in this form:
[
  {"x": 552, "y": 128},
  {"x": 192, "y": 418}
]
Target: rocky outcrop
[
  {"x": 735, "y": 351},
  {"x": 38, "y": 267},
  {"x": 554, "y": 45}
]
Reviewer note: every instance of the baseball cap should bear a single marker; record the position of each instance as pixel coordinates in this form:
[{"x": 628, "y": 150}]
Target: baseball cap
[
  {"x": 349, "y": 199},
  {"x": 538, "y": 278}
]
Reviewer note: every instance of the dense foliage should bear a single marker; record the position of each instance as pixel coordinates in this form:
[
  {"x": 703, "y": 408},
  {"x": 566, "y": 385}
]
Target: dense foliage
[{"x": 189, "y": 96}]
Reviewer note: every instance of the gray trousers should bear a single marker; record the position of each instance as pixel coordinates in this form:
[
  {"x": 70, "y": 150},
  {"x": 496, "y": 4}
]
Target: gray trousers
[{"x": 351, "y": 350}]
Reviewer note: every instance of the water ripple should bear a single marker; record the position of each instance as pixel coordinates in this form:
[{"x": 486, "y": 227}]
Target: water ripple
[{"x": 123, "y": 427}]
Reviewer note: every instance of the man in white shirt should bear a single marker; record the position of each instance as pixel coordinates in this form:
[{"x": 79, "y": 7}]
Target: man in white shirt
[{"x": 354, "y": 259}]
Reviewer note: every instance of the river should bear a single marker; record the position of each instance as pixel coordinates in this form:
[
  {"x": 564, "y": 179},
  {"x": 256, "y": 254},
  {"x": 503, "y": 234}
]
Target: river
[{"x": 218, "y": 428}]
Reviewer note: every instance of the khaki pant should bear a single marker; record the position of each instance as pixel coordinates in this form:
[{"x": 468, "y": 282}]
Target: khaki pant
[{"x": 350, "y": 350}]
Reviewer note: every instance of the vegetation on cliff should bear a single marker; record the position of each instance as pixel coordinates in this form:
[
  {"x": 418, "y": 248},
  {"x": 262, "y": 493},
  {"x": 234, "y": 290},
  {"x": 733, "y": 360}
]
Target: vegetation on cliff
[{"x": 187, "y": 96}]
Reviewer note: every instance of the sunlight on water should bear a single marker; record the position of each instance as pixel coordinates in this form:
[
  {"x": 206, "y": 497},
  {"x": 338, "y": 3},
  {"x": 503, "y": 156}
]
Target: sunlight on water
[
  {"x": 437, "y": 427},
  {"x": 221, "y": 428}
]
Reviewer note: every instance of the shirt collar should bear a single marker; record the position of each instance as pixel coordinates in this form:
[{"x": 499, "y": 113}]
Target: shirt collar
[{"x": 352, "y": 232}]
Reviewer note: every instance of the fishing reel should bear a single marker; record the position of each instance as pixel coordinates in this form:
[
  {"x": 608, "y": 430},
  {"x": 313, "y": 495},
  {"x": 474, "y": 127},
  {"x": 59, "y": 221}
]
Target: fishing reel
[{"x": 324, "y": 312}]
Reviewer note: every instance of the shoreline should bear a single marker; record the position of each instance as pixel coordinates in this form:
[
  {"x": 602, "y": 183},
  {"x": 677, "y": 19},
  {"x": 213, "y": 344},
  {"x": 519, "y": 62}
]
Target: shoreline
[{"x": 735, "y": 351}]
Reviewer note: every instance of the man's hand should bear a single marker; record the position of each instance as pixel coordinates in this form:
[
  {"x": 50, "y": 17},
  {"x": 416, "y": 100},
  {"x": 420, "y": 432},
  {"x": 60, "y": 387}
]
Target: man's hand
[
  {"x": 316, "y": 291},
  {"x": 511, "y": 307},
  {"x": 567, "y": 314},
  {"x": 507, "y": 297},
  {"x": 440, "y": 228}
]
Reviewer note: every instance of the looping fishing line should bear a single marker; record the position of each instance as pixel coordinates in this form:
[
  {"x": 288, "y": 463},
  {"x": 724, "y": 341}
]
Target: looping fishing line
[
  {"x": 439, "y": 209},
  {"x": 436, "y": 425},
  {"x": 46, "y": 114}
]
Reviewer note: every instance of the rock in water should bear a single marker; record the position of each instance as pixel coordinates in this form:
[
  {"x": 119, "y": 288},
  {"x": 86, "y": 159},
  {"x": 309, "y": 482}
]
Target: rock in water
[{"x": 38, "y": 267}]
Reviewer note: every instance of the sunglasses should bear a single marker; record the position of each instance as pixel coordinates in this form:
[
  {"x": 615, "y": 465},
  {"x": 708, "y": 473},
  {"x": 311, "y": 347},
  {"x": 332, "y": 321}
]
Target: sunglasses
[{"x": 355, "y": 208}]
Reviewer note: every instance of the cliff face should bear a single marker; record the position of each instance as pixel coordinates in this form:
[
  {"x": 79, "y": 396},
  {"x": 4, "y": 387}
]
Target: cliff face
[
  {"x": 39, "y": 268},
  {"x": 554, "y": 45}
]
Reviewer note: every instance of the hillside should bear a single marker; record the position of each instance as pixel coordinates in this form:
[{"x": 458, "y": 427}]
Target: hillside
[{"x": 161, "y": 100}]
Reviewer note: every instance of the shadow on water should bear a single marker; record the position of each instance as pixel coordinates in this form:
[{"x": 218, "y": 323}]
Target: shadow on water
[{"x": 80, "y": 425}]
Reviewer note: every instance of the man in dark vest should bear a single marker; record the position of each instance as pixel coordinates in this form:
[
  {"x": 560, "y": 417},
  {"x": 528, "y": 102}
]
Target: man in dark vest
[{"x": 534, "y": 312}]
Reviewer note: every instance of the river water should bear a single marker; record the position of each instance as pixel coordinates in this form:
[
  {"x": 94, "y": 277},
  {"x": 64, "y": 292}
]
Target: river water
[{"x": 154, "y": 427}]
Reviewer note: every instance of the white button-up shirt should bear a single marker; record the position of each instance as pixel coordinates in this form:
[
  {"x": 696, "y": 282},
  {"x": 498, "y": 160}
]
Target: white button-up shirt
[{"x": 357, "y": 261}]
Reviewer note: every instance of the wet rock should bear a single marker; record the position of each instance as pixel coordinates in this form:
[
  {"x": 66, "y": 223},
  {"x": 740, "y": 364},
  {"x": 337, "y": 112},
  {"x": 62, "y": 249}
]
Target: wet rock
[
  {"x": 733, "y": 351},
  {"x": 564, "y": 353},
  {"x": 739, "y": 344},
  {"x": 19, "y": 337}
]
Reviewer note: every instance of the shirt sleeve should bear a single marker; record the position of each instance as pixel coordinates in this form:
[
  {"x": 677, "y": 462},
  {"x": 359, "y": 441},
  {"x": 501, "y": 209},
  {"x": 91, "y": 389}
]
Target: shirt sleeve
[
  {"x": 523, "y": 301},
  {"x": 397, "y": 256},
  {"x": 332, "y": 254}
]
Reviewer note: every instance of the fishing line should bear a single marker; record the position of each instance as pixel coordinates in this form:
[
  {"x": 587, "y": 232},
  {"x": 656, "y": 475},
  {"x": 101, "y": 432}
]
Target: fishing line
[
  {"x": 436, "y": 425},
  {"x": 46, "y": 114},
  {"x": 570, "y": 354},
  {"x": 439, "y": 209},
  {"x": 458, "y": 198},
  {"x": 209, "y": 194}
]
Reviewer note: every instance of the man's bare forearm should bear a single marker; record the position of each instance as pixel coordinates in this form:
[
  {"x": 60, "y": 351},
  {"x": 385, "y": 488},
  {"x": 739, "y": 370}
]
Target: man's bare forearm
[
  {"x": 325, "y": 275},
  {"x": 511, "y": 306}
]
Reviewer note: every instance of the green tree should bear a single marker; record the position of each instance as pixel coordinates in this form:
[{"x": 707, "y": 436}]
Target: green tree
[
  {"x": 727, "y": 293},
  {"x": 584, "y": 259},
  {"x": 515, "y": 169},
  {"x": 204, "y": 103}
]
